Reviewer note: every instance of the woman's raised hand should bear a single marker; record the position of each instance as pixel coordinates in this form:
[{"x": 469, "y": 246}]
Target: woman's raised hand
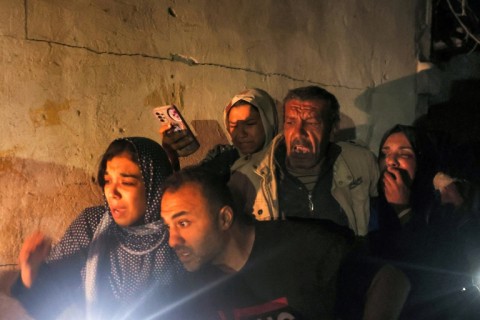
[{"x": 34, "y": 251}]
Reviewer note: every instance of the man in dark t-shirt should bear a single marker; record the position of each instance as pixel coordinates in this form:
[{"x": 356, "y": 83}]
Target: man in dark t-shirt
[{"x": 248, "y": 270}]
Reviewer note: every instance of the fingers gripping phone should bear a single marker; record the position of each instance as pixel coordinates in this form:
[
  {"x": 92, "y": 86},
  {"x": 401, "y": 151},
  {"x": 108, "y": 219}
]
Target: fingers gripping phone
[{"x": 169, "y": 115}]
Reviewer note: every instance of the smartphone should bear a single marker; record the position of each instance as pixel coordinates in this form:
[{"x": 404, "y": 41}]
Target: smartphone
[{"x": 170, "y": 115}]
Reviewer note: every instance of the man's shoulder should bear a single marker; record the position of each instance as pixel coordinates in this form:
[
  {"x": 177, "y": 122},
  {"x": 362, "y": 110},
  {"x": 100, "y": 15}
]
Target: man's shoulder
[
  {"x": 353, "y": 149},
  {"x": 220, "y": 159},
  {"x": 302, "y": 229},
  {"x": 354, "y": 146}
]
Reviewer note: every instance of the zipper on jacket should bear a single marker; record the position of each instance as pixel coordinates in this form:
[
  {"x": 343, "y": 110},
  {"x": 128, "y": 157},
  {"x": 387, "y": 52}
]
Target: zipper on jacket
[{"x": 310, "y": 203}]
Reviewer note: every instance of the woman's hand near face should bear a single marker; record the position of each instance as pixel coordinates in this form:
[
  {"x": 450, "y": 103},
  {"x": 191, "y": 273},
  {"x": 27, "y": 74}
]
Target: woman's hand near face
[
  {"x": 397, "y": 185},
  {"x": 34, "y": 251}
]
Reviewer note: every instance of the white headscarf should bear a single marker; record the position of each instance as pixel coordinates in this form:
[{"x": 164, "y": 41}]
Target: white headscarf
[{"x": 265, "y": 105}]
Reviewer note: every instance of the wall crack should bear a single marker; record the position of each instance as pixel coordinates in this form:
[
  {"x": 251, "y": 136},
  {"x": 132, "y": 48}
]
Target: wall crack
[{"x": 175, "y": 57}]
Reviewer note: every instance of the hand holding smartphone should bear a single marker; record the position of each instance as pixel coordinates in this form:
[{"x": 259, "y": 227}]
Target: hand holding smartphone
[{"x": 177, "y": 133}]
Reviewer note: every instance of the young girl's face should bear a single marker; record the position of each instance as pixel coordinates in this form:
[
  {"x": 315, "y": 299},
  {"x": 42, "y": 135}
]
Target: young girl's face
[
  {"x": 125, "y": 190},
  {"x": 397, "y": 154},
  {"x": 246, "y": 128}
]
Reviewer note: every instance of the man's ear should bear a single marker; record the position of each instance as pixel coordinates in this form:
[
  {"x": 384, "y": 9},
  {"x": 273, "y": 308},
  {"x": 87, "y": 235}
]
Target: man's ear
[{"x": 225, "y": 217}]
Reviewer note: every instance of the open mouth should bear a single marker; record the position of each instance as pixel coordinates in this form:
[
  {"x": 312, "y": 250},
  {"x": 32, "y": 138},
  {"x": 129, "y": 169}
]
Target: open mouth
[
  {"x": 183, "y": 254},
  {"x": 301, "y": 149},
  {"x": 117, "y": 212}
]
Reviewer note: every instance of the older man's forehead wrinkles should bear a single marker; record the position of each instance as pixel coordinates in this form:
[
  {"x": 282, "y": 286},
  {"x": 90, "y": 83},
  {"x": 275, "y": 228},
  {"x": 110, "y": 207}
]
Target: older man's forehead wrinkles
[
  {"x": 304, "y": 113},
  {"x": 301, "y": 107}
]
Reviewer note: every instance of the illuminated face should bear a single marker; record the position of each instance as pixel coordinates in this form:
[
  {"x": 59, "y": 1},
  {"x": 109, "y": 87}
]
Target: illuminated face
[
  {"x": 125, "y": 190},
  {"x": 307, "y": 132},
  {"x": 195, "y": 233},
  {"x": 397, "y": 154},
  {"x": 246, "y": 128}
]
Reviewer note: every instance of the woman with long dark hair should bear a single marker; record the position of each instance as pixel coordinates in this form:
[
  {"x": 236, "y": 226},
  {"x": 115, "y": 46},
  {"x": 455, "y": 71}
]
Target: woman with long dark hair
[{"x": 412, "y": 229}]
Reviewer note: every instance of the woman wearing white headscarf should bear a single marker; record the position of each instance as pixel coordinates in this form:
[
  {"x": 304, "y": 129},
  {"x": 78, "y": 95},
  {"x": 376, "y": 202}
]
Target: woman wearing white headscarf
[{"x": 251, "y": 122}]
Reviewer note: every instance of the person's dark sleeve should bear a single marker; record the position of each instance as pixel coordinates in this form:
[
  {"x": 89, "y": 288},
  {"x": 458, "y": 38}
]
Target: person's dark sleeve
[
  {"x": 56, "y": 287},
  {"x": 339, "y": 247},
  {"x": 59, "y": 281},
  {"x": 220, "y": 159}
]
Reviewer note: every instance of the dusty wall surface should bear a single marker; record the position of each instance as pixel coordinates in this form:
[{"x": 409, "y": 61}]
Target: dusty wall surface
[{"x": 77, "y": 74}]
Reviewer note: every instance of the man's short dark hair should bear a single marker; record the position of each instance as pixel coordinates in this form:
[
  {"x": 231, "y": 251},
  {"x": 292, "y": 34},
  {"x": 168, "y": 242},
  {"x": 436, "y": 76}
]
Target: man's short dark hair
[
  {"x": 315, "y": 93},
  {"x": 212, "y": 185}
]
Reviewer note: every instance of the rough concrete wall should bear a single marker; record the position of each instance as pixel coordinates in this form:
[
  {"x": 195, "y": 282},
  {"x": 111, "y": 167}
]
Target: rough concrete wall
[{"x": 77, "y": 74}]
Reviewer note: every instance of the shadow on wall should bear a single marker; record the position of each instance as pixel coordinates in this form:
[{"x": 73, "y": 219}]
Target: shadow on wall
[
  {"x": 453, "y": 120},
  {"x": 455, "y": 126},
  {"x": 348, "y": 130},
  {"x": 39, "y": 196},
  {"x": 387, "y": 104},
  {"x": 209, "y": 133}
]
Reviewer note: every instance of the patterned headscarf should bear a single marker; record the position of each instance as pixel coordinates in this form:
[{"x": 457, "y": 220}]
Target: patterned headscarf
[{"x": 126, "y": 263}]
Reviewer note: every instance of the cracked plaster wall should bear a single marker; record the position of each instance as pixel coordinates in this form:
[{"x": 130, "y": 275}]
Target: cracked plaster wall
[{"x": 77, "y": 74}]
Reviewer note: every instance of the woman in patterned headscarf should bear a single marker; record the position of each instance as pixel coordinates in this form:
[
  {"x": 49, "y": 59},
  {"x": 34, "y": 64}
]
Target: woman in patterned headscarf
[{"x": 112, "y": 256}]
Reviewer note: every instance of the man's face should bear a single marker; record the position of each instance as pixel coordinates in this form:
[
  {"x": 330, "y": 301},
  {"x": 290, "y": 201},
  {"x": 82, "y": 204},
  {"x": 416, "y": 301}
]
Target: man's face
[
  {"x": 125, "y": 190},
  {"x": 307, "y": 132},
  {"x": 246, "y": 128},
  {"x": 195, "y": 233}
]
